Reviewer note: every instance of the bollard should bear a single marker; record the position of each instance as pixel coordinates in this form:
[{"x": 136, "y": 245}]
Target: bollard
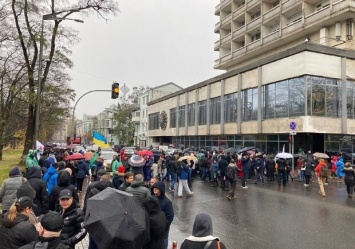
[{"x": 174, "y": 245}]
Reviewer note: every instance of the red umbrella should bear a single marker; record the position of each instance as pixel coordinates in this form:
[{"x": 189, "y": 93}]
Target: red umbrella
[
  {"x": 145, "y": 153},
  {"x": 75, "y": 156}
]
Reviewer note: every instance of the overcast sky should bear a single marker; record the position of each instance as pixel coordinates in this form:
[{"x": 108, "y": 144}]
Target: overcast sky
[{"x": 150, "y": 43}]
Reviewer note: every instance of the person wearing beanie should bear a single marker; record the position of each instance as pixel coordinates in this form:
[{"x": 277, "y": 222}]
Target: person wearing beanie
[
  {"x": 15, "y": 229},
  {"x": 137, "y": 188},
  {"x": 9, "y": 188},
  {"x": 202, "y": 234},
  {"x": 158, "y": 190}
]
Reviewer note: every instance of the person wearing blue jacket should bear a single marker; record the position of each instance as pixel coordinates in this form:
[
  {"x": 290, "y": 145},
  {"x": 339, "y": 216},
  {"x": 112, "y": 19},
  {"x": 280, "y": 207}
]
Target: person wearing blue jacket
[
  {"x": 50, "y": 177},
  {"x": 184, "y": 175},
  {"x": 83, "y": 170},
  {"x": 340, "y": 166}
]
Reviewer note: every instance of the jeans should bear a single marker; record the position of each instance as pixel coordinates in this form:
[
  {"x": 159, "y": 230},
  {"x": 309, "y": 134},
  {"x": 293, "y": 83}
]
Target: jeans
[
  {"x": 167, "y": 175},
  {"x": 281, "y": 175},
  {"x": 232, "y": 185},
  {"x": 300, "y": 175},
  {"x": 79, "y": 182},
  {"x": 204, "y": 173},
  {"x": 173, "y": 180},
  {"x": 190, "y": 178},
  {"x": 245, "y": 174}
]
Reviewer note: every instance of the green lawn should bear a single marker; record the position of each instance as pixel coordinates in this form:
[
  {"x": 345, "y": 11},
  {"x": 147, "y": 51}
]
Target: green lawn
[{"x": 10, "y": 158}]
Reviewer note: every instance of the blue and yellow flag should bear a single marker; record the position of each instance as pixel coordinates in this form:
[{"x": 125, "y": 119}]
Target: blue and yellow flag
[{"x": 99, "y": 140}]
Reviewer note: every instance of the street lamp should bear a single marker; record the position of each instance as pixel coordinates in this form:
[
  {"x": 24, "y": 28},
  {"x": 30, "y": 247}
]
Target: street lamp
[{"x": 44, "y": 18}]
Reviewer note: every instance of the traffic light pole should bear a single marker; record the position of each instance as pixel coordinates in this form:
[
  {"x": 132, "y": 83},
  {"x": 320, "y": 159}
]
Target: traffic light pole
[{"x": 73, "y": 116}]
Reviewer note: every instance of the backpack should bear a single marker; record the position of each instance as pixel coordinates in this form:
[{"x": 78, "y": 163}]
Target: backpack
[
  {"x": 324, "y": 171},
  {"x": 230, "y": 173}
]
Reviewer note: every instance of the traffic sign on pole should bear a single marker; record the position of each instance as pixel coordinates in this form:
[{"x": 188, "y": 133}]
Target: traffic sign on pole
[{"x": 293, "y": 125}]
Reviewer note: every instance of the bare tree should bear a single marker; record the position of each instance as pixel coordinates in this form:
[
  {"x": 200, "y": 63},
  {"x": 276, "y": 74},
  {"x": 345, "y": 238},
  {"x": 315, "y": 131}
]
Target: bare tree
[{"x": 20, "y": 38}]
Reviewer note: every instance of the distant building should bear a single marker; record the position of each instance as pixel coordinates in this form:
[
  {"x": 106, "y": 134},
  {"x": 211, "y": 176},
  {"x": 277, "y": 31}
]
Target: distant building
[{"x": 140, "y": 114}]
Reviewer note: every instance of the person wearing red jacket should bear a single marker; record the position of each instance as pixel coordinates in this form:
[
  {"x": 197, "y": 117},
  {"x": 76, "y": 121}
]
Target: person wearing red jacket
[{"x": 321, "y": 179}]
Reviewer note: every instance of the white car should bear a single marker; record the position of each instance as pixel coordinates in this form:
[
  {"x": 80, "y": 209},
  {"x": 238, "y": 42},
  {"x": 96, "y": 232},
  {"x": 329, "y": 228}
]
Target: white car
[{"x": 108, "y": 156}]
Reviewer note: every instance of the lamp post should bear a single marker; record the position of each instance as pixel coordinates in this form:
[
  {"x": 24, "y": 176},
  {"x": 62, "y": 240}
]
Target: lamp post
[{"x": 39, "y": 84}]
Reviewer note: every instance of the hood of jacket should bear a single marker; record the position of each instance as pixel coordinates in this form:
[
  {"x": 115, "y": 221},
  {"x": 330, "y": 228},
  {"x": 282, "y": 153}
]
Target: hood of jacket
[
  {"x": 136, "y": 184},
  {"x": 151, "y": 204},
  {"x": 340, "y": 159},
  {"x": 101, "y": 185},
  {"x": 34, "y": 172},
  {"x": 51, "y": 171},
  {"x": 63, "y": 178},
  {"x": 160, "y": 186},
  {"x": 202, "y": 225},
  {"x": 19, "y": 218},
  {"x": 81, "y": 162}
]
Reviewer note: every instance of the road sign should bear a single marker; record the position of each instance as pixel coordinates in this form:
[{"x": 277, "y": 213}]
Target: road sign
[
  {"x": 124, "y": 89},
  {"x": 293, "y": 125},
  {"x": 292, "y": 133}
]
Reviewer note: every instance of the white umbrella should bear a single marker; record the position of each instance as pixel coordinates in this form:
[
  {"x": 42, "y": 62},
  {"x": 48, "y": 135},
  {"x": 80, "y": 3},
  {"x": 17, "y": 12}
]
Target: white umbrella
[{"x": 284, "y": 155}]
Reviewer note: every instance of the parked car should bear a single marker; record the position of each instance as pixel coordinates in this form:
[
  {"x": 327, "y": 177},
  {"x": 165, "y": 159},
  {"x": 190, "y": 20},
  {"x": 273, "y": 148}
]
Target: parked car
[
  {"x": 129, "y": 151},
  {"x": 108, "y": 156}
]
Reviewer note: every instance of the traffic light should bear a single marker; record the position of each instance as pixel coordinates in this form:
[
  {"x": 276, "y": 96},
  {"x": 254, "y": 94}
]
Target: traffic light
[{"x": 115, "y": 92}]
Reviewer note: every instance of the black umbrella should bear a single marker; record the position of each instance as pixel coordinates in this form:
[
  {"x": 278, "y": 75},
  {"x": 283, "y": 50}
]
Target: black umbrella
[
  {"x": 116, "y": 220},
  {"x": 136, "y": 161}
]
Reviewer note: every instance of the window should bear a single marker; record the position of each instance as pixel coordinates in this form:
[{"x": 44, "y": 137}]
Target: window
[
  {"x": 191, "y": 114},
  {"x": 230, "y": 108},
  {"x": 182, "y": 116},
  {"x": 173, "y": 118},
  {"x": 250, "y": 104},
  {"x": 215, "y": 110},
  {"x": 255, "y": 16},
  {"x": 323, "y": 96},
  {"x": 153, "y": 121},
  {"x": 350, "y": 99},
  {"x": 276, "y": 3},
  {"x": 202, "y": 112},
  {"x": 256, "y": 37}
]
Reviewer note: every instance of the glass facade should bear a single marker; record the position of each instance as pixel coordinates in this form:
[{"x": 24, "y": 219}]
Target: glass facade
[
  {"x": 191, "y": 114},
  {"x": 215, "y": 110},
  {"x": 202, "y": 112},
  {"x": 181, "y": 119},
  {"x": 250, "y": 104},
  {"x": 230, "y": 108},
  {"x": 153, "y": 121},
  {"x": 173, "y": 118},
  {"x": 301, "y": 96},
  {"x": 268, "y": 144}
]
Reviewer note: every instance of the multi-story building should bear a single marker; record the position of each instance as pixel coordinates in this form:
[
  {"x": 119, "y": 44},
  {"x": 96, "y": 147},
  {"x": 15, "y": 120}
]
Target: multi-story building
[
  {"x": 106, "y": 123},
  {"x": 89, "y": 124},
  {"x": 140, "y": 114},
  {"x": 290, "y": 81}
]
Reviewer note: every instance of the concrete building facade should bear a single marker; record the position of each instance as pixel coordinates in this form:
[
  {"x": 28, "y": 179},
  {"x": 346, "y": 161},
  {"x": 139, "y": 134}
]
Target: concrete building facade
[{"x": 310, "y": 85}]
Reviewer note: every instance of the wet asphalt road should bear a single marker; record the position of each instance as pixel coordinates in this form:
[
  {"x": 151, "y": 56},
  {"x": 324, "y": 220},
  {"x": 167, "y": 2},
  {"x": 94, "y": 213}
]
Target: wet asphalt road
[{"x": 266, "y": 216}]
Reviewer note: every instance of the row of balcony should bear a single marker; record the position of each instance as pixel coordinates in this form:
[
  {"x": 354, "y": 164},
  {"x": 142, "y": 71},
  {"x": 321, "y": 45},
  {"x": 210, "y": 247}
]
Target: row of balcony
[{"x": 286, "y": 5}]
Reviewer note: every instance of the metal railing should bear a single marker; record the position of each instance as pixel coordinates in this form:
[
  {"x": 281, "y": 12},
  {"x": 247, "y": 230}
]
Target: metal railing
[
  {"x": 318, "y": 15},
  {"x": 254, "y": 23},
  {"x": 271, "y": 13},
  {"x": 239, "y": 32},
  {"x": 253, "y": 45},
  {"x": 292, "y": 27},
  {"x": 272, "y": 36}
]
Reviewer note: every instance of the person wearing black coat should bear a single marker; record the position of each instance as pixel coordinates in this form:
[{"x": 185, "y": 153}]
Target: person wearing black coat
[
  {"x": 158, "y": 190},
  {"x": 73, "y": 231},
  {"x": 15, "y": 230},
  {"x": 222, "y": 165},
  {"x": 83, "y": 170},
  {"x": 63, "y": 183},
  {"x": 202, "y": 234},
  {"x": 157, "y": 223},
  {"x": 41, "y": 199},
  {"x": 349, "y": 178}
]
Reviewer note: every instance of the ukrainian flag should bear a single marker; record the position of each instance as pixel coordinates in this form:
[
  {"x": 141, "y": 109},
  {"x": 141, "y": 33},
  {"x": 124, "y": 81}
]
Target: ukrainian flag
[{"x": 99, "y": 140}]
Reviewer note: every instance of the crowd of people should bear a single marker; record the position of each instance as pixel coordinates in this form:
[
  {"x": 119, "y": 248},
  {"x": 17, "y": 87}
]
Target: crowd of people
[{"x": 40, "y": 209}]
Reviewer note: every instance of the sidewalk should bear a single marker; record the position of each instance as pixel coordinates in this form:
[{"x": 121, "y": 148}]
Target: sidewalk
[{"x": 84, "y": 244}]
